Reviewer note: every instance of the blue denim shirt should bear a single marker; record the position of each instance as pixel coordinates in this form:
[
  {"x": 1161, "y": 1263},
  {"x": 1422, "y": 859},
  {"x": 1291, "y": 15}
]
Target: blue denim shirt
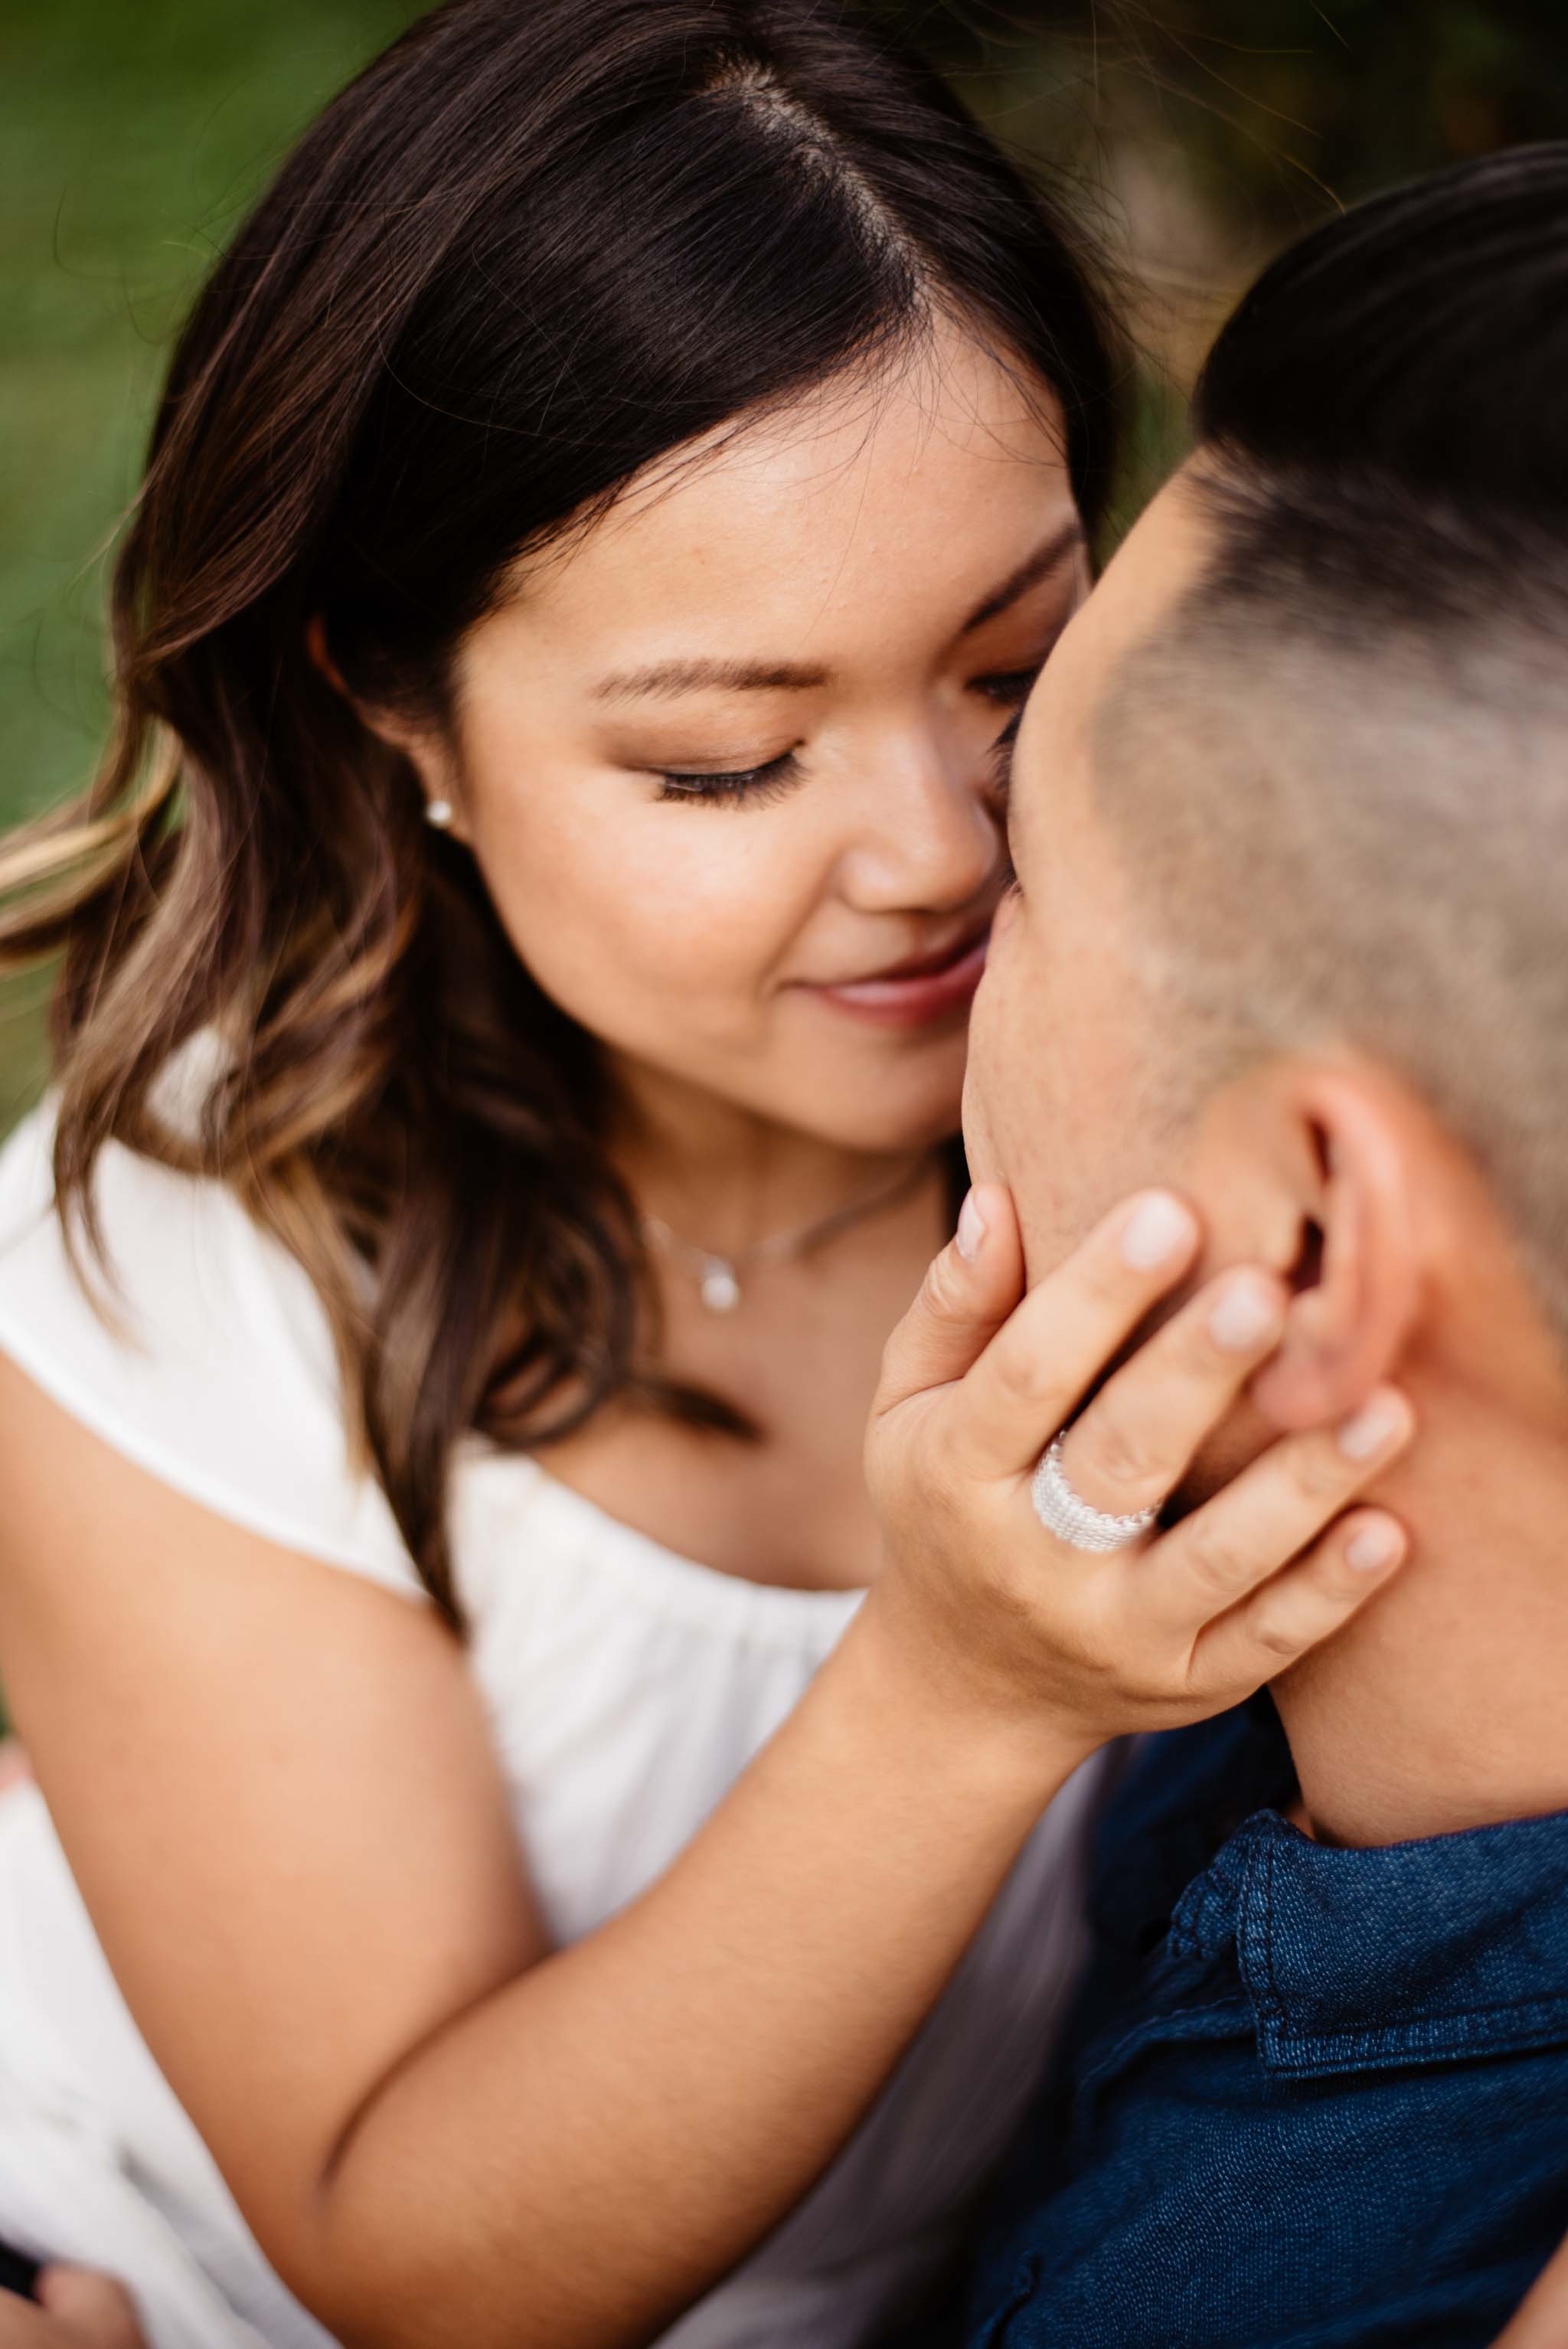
[{"x": 1312, "y": 2096}]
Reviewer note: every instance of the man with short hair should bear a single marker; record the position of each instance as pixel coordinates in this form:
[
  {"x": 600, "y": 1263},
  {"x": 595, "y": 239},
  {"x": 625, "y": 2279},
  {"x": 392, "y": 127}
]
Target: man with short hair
[{"x": 1290, "y": 819}]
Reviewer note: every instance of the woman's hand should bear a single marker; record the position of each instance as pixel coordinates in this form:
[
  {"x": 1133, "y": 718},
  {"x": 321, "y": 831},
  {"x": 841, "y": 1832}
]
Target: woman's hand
[
  {"x": 975, "y": 1386},
  {"x": 1543, "y": 2322},
  {"x": 74, "y": 2310},
  {"x": 440, "y": 2129}
]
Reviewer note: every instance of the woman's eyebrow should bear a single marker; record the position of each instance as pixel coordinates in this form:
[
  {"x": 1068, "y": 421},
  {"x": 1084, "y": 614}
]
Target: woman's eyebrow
[
  {"x": 664, "y": 679},
  {"x": 1029, "y": 574}
]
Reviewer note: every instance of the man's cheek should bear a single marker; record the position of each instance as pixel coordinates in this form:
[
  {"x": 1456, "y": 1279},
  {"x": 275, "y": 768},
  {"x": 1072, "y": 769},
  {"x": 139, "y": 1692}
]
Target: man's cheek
[
  {"x": 1050, "y": 1234},
  {"x": 1071, "y": 1174},
  {"x": 979, "y": 1143},
  {"x": 988, "y": 1078}
]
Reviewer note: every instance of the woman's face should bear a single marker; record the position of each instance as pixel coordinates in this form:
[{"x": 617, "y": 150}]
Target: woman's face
[{"x": 727, "y": 763}]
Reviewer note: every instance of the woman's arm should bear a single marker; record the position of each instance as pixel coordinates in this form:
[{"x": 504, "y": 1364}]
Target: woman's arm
[{"x": 307, "y": 1879}]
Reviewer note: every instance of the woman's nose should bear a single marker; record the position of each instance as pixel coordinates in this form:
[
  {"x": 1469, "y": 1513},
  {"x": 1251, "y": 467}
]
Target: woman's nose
[{"x": 926, "y": 835}]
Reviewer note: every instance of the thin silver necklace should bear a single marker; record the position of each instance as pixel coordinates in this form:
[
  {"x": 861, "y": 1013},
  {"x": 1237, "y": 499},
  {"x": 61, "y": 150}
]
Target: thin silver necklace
[{"x": 718, "y": 1276}]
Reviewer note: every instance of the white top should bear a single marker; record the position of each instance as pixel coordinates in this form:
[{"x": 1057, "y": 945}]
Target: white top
[{"x": 626, "y": 1687}]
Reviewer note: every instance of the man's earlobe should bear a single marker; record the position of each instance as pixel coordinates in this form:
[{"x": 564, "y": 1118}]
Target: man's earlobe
[{"x": 1357, "y": 1278}]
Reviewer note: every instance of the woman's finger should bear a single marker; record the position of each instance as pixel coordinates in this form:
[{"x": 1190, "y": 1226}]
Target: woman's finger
[
  {"x": 1543, "y": 2322},
  {"x": 1042, "y": 1361},
  {"x": 967, "y": 1294},
  {"x": 1302, "y": 1607},
  {"x": 22, "y": 2327},
  {"x": 1268, "y": 1515},
  {"x": 1135, "y": 1442},
  {"x": 87, "y": 2310}
]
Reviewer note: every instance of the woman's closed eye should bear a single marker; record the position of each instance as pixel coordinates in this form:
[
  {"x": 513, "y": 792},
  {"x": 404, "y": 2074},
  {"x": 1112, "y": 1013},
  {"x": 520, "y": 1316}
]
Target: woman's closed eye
[
  {"x": 1010, "y": 688},
  {"x": 1009, "y": 685},
  {"x": 755, "y": 785},
  {"x": 760, "y": 785}
]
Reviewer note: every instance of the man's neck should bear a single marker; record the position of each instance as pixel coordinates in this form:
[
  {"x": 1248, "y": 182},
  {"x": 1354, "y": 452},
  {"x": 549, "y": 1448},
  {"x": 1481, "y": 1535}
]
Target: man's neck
[{"x": 1442, "y": 1707}]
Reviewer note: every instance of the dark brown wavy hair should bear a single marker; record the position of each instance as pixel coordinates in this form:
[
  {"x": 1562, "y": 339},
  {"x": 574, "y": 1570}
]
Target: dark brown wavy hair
[{"x": 536, "y": 247}]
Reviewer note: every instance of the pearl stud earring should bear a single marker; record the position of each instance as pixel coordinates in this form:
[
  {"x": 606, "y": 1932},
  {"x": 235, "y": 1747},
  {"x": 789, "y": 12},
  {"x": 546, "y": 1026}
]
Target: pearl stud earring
[{"x": 440, "y": 812}]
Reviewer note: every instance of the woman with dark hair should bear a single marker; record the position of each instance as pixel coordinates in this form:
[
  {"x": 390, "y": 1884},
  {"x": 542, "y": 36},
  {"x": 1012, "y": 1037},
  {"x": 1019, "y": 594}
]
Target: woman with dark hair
[{"x": 607, "y": 507}]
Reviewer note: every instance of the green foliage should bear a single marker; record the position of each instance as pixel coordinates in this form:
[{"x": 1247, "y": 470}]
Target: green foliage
[
  {"x": 1342, "y": 97},
  {"x": 1283, "y": 108},
  {"x": 130, "y": 140}
]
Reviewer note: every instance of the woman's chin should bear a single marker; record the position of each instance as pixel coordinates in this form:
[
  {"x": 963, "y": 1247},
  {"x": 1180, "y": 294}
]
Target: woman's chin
[
  {"x": 861, "y": 1090},
  {"x": 902, "y": 1118}
]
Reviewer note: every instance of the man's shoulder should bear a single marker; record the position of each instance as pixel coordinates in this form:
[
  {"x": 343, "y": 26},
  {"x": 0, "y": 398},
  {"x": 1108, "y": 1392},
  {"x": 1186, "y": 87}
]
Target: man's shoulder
[{"x": 1334, "y": 2091}]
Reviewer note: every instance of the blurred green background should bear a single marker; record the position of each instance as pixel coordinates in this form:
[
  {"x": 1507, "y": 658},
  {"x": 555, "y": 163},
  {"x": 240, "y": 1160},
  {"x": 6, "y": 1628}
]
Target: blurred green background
[{"x": 1202, "y": 134}]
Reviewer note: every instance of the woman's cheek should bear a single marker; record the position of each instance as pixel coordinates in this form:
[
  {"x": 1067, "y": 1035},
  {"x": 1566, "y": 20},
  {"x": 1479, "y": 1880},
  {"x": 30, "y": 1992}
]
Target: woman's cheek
[
  {"x": 633, "y": 923},
  {"x": 721, "y": 890}
]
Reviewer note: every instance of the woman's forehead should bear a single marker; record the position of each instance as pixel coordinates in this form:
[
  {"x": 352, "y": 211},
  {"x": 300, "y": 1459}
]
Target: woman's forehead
[{"x": 862, "y": 505}]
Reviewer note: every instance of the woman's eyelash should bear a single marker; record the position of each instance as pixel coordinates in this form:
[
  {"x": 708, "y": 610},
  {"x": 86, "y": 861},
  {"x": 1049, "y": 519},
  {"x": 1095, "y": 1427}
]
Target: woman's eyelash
[
  {"x": 1002, "y": 755},
  {"x": 1016, "y": 687},
  {"x": 758, "y": 785},
  {"x": 755, "y": 784},
  {"x": 1014, "y": 684}
]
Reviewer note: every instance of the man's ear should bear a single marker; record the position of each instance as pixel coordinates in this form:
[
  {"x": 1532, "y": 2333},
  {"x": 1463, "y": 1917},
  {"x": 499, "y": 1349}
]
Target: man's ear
[{"x": 1359, "y": 1272}]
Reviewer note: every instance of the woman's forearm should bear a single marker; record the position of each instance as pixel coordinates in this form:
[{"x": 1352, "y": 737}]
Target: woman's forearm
[{"x": 590, "y": 2149}]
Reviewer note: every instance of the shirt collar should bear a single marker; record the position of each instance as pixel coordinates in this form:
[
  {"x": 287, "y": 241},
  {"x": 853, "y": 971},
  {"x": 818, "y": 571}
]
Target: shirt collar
[
  {"x": 1184, "y": 1794},
  {"x": 1438, "y": 1951}
]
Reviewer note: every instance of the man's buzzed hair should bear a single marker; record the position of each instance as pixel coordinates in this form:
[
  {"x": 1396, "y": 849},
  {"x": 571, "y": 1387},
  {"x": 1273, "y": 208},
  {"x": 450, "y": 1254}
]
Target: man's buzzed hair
[{"x": 1339, "y": 770}]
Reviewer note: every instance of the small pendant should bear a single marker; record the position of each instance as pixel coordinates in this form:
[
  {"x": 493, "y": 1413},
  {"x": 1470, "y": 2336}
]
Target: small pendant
[{"x": 720, "y": 1290}]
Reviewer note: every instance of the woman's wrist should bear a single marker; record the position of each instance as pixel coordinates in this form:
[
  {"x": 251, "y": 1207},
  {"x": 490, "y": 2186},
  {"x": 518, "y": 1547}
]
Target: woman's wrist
[{"x": 988, "y": 1743}]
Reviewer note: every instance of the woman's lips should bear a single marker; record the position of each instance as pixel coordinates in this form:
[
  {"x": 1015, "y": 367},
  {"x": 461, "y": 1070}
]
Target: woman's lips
[{"x": 915, "y": 998}]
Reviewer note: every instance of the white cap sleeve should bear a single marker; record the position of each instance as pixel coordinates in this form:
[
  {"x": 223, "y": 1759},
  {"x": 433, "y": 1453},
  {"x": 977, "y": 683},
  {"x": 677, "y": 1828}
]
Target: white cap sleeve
[{"x": 215, "y": 1369}]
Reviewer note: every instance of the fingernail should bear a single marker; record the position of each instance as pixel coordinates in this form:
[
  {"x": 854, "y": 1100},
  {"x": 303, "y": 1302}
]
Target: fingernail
[
  {"x": 1373, "y": 1547},
  {"x": 1374, "y": 1426},
  {"x": 1157, "y": 1228},
  {"x": 972, "y": 1228},
  {"x": 1247, "y": 1313}
]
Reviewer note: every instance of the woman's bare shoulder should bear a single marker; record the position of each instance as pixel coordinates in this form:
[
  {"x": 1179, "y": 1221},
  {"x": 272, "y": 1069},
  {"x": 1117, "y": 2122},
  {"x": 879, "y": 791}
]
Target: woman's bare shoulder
[{"x": 192, "y": 1343}]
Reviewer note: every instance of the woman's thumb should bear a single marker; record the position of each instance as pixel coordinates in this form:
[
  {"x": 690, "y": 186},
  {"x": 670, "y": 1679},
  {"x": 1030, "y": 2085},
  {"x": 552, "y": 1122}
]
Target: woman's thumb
[{"x": 967, "y": 1294}]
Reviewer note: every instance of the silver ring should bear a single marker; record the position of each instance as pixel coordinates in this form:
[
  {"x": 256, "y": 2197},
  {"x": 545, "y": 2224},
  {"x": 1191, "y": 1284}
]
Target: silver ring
[{"x": 1068, "y": 1516}]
